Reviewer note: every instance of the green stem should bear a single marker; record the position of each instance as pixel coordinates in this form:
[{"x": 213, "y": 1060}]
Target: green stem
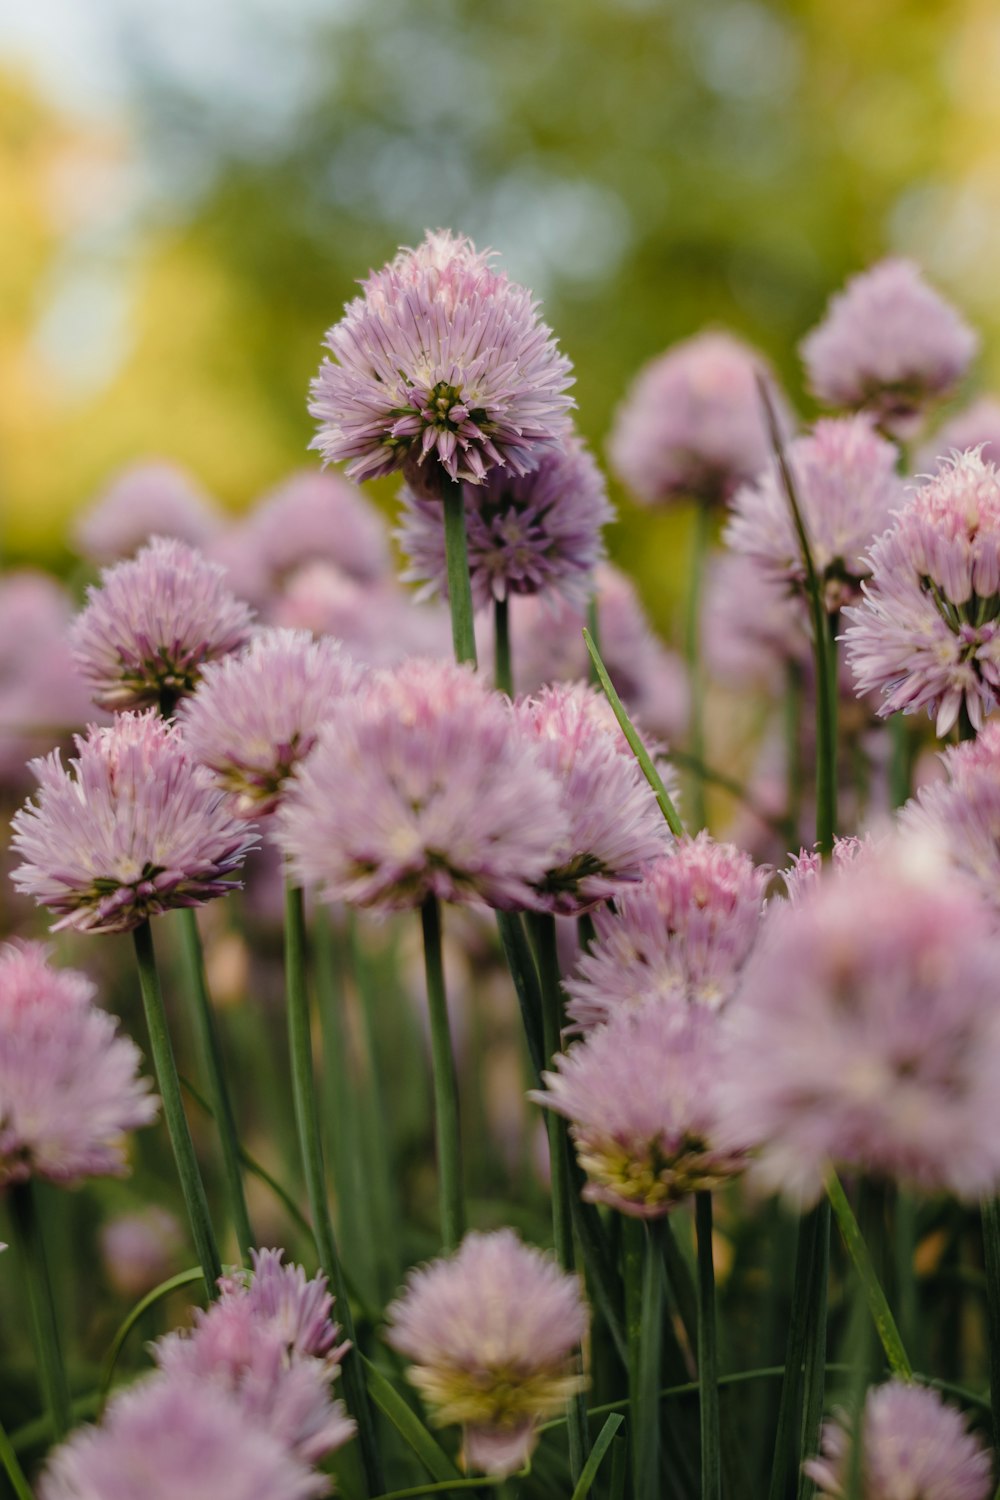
[
  {"x": 899, "y": 762},
  {"x": 12, "y": 1468},
  {"x": 809, "y": 1254},
  {"x": 885, "y": 1323},
  {"x": 446, "y": 1112},
  {"x": 172, "y": 1284},
  {"x": 525, "y": 977},
  {"x": 647, "y": 1405},
  {"x": 633, "y": 1265},
  {"x": 456, "y": 555},
  {"x": 692, "y": 635},
  {"x": 310, "y": 1145},
  {"x": 210, "y": 1049},
  {"x": 708, "y": 1358},
  {"x": 503, "y": 674},
  {"x": 593, "y": 625},
  {"x": 990, "y": 1209},
  {"x": 814, "y": 1368},
  {"x": 44, "y": 1319},
  {"x": 165, "y": 1067}
]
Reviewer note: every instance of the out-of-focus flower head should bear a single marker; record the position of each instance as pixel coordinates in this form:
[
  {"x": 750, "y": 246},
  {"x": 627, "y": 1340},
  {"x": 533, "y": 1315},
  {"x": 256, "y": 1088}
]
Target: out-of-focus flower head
[
  {"x": 153, "y": 623},
  {"x": 492, "y": 1332},
  {"x": 255, "y": 716},
  {"x": 978, "y": 426},
  {"x": 847, "y": 488},
  {"x": 424, "y": 785},
  {"x": 913, "y": 1445},
  {"x": 692, "y": 424},
  {"x": 753, "y": 626},
  {"x": 379, "y": 623},
  {"x": 150, "y": 498},
  {"x": 441, "y": 368},
  {"x": 70, "y": 1088},
  {"x": 139, "y": 1250},
  {"x": 130, "y": 830},
  {"x": 803, "y": 875},
  {"x": 871, "y": 1042},
  {"x": 927, "y": 634},
  {"x": 682, "y": 934},
  {"x": 890, "y": 344},
  {"x": 962, "y": 815}
]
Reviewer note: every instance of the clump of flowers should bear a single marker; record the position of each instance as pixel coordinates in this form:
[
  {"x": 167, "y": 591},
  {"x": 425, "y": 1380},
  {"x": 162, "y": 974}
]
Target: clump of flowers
[
  {"x": 153, "y": 623},
  {"x": 962, "y": 815},
  {"x": 70, "y": 1089},
  {"x": 927, "y": 634},
  {"x": 683, "y": 933},
  {"x": 149, "y": 498},
  {"x": 493, "y": 1332},
  {"x": 129, "y": 830},
  {"x": 890, "y": 344},
  {"x": 441, "y": 368},
  {"x": 977, "y": 426},
  {"x": 255, "y": 716}
]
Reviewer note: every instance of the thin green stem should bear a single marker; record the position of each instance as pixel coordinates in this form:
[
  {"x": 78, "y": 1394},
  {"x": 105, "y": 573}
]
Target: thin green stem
[
  {"x": 990, "y": 1209},
  {"x": 633, "y": 1264},
  {"x": 814, "y": 1358},
  {"x": 808, "y": 1253},
  {"x": 692, "y": 635},
  {"x": 503, "y": 673},
  {"x": 446, "y": 1113},
  {"x": 708, "y": 1354},
  {"x": 647, "y": 1405},
  {"x": 165, "y": 1067},
  {"x": 593, "y": 625},
  {"x": 899, "y": 760},
  {"x": 885, "y": 1323},
  {"x": 12, "y": 1468},
  {"x": 457, "y": 559},
  {"x": 41, "y": 1302},
  {"x": 525, "y": 977},
  {"x": 172, "y": 1284}
]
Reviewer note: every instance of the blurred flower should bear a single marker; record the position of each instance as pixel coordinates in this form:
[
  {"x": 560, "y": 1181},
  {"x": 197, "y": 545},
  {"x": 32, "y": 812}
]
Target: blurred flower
[
  {"x": 753, "y": 625},
  {"x": 139, "y": 1250},
  {"x": 962, "y": 814},
  {"x": 255, "y": 716},
  {"x": 888, "y": 343},
  {"x": 803, "y": 875},
  {"x": 441, "y": 359},
  {"x": 640, "y": 1094},
  {"x": 151, "y": 498},
  {"x": 70, "y": 1089},
  {"x": 152, "y": 625},
  {"x": 129, "y": 831},
  {"x": 692, "y": 424},
  {"x": 682, "y": 934},
  {"x": 423, "y": 785},
  {"x": 492, "y": 1332},
  {"x": 847, "y": 488},
  {"x": 913, "y": 1446},
  {"x": 379, "y": 623},
  {"x": 978, "y": 426},
  {"x": 927, "y": 633}
]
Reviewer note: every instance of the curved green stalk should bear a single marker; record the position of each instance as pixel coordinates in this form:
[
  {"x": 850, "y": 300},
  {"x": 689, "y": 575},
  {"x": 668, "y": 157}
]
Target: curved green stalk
[
  {"x": 463, "y": 634},
  {"x": 172, "y": 1284},
  {"x": 885, "y": 1323},
  {"x": 12, "y": 1468},
  {"x": 446, "y": 1111},
  {"x": 44, "y": 1319}
]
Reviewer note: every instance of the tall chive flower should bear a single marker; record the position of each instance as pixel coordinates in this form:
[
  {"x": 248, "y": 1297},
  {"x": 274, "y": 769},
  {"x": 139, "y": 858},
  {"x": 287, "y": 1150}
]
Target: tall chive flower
[
  {"x": 868, "y": 1041},
  {"x": 441, "y": 368},
  {"x": 131, "y": 829},
  {"x": 847, "y": 487},
  {"x": 424, "y": 785},
  {"x": 927, "y": 634},
  {"x": 152, "y": 498},
  {"x": 537, "y": 533},
  {"x": 692, "y": 424},
  {"x": 913, "y": 1445},
  {"x": 615, "y": 826},
  {"x": 69, "y": 1085},
  {"x": 889, "y": 343},
  {"x": 253, "y": 717},
  {"x": 493, "y": 1332},
  {"x": 641, "y": 1096},
  {"x": 153, "y": 623},
  {"x": 962, "y": 814},
  {"x": 682, "y": 934}
]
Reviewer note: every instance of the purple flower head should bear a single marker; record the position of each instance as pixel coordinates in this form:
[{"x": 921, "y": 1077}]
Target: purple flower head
[
  {"x": 130, "y": 830},
  {"x": 914, "y": 1447},
  {"x": 152, "y": 625},
  {"x": 753, "y": 625},
  {"x": 641, "y": 1096},
  {"x": 847, "y": 487},
  {"x": 177, "y": 1440},
  {"x": 152, "y": 498},
  {"x": 890, "y": 344},
  {"x": 70, "y": 1088},
  {"x": 379, "y": 623},
  {"x": 493, "y": 1332},
  {"x": 424, "y": 785},
  {"x": 255, "y": 716},
  {"x": 805, "y": 872},
  {"x": 962, "y": 815},
  {"x": 927, "y": 634},
  {"x": 978, "y": 426},
  {"x": 871, "y": 1044},
  {"x": 139, "y": 1250},
  {"x": 692, "y": 424},
  {"x": 441, "y": 368},
  {"x": 537, "y": 533},
  {"x": 615, "y": 826},
  {"x": 682, "y": 934}
]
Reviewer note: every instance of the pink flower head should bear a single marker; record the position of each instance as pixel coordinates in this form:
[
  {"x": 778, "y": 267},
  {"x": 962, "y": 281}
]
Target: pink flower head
[
  {"x": 527, "y": 534},
  {"x": 913, "y": 1445},
  {"x": 927, "y": 633},
  {"x": 753, "y": 624},
  {"x": 139, "y": 1250},
  {"x": 692, "y": 423},
  {"x": 255, "y": 716},
  {"x": 888, "y": 343},
  {"x": 866, "y": 1032},
  {"x": 441, "y": 368},
  {"x": 978, "y": 426},
  {"x": 682, "y": 934},
  {"x": 423, "y": 785},
  {"x": 151, "y": 498},
  {"x": 380, "y": 624},
  {"x": 615, "y": 824},
  {"x": 641, "y": 1096},
  {"x": 130, "y": 830},
  {"x": 805, "y": 872},
  {"x": 962, "y": 815},
  {"x": 493, "y": 1332},
  {"x": 152, "y": 625},
  {"x": 70, "y": 1088},
  {"x": 847, "y": 487}
]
